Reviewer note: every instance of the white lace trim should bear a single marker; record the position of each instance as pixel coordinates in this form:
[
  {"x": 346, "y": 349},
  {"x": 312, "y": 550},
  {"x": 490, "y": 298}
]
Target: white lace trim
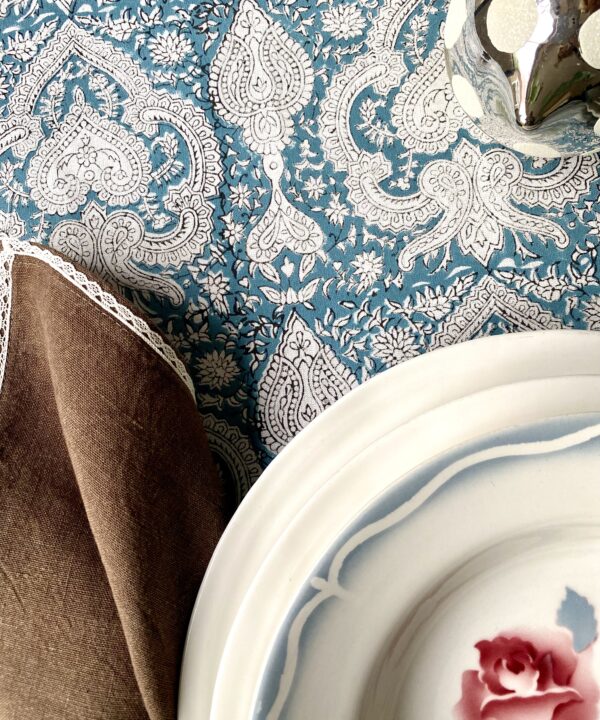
[
  {"x": 90, "y": 288},
  {"x": 6, "y": 261}
]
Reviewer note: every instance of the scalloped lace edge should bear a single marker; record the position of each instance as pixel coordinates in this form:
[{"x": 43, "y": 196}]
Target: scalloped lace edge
[
  {"x": 93, "y": 291},
  {"x": 6, "y": 261}
]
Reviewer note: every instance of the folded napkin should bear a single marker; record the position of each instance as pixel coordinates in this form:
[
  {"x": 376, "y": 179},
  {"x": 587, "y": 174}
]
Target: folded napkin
[{"x": 109, "y": 504}]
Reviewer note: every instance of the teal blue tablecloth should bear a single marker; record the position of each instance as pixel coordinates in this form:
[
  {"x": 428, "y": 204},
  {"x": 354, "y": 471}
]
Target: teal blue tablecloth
[{"x": 288, "y": 188}]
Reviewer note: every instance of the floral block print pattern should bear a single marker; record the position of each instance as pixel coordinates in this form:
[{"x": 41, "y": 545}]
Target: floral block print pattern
[
  {"x": 536, "y": 674},
  {"x": 288, "y": 188}
]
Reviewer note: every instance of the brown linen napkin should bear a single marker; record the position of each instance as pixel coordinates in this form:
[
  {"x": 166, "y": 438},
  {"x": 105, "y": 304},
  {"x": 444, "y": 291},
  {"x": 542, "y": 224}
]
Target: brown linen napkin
[{"x": 109, "y": 505}]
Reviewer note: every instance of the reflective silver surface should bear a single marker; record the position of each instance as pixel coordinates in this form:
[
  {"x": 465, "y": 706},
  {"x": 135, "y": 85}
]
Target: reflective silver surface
[{"x": 542, "y": 98}]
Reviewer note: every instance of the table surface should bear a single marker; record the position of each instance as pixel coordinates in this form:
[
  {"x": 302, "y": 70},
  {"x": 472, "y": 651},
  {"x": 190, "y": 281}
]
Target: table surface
[{"x": 289, "y": 189}]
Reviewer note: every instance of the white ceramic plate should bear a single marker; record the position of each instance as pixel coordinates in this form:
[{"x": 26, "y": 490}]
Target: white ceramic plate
[
  {"x": 338, "y": 435},
  {"x": 321, "y": 520},
  {"x": 484, "y": 560}
]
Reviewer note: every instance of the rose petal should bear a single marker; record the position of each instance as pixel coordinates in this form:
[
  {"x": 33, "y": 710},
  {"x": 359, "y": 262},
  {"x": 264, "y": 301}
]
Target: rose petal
[
  {"x": 544, "y": 666},
  {"x": 558, "y": 644},
  {"x": 584, "y": 682},
  {"x": 522, "y": 682},
  {"x": 492, "y": 654},
  {"x": 473, "y": 693},
  {"x": 540, "y": 706}
]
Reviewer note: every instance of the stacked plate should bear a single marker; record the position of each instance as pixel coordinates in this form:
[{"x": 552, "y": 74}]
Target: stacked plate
[{"x": 426, "y": 548}]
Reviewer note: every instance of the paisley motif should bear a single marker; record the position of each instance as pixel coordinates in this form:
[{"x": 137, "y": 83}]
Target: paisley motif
[
  {"x": 425, "y": 112},
  {"x": 388, "y": 211},
  {"x": 205, "y": 173},
  {"x": 258, "y": 80},
  {"x": 235, "y": 453},
  {"x": 471, "y": 199},
  {"x": 339, "y": 145},
  {"x": 475, "y": 192},
  {"x": 112, "y": 246},
  {"x": 19, "y": 132},
  {"x": 301, "y": 379},
  {"x": 488, "y": 299},
  {"x": 70, "y": 39},
  {"x": 88, "y": 153}
]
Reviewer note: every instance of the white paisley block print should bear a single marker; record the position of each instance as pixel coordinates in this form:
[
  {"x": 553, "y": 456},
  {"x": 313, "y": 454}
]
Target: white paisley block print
[
  {"x": 466, "y": 198},
  {"x": 259, "y": 79},
  {"x": 301, "y": 379},
  {"x": 89, "y": 154},
  {"x": 288, "y": 189},
  {"x": 487, "y": 300}
]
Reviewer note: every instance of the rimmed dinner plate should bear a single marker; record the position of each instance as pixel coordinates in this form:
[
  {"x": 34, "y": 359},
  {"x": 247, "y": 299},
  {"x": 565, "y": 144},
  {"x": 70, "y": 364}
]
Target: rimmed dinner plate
[
  {"x": 390, "y": 400},
  {"x": 321, "y": 520},
  {"x": 468, "y": 589}
]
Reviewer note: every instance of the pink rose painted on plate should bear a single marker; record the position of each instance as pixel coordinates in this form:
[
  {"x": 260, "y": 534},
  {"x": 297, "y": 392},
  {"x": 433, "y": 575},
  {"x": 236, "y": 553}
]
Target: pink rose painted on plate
[{"x": 536, "y": 674}]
